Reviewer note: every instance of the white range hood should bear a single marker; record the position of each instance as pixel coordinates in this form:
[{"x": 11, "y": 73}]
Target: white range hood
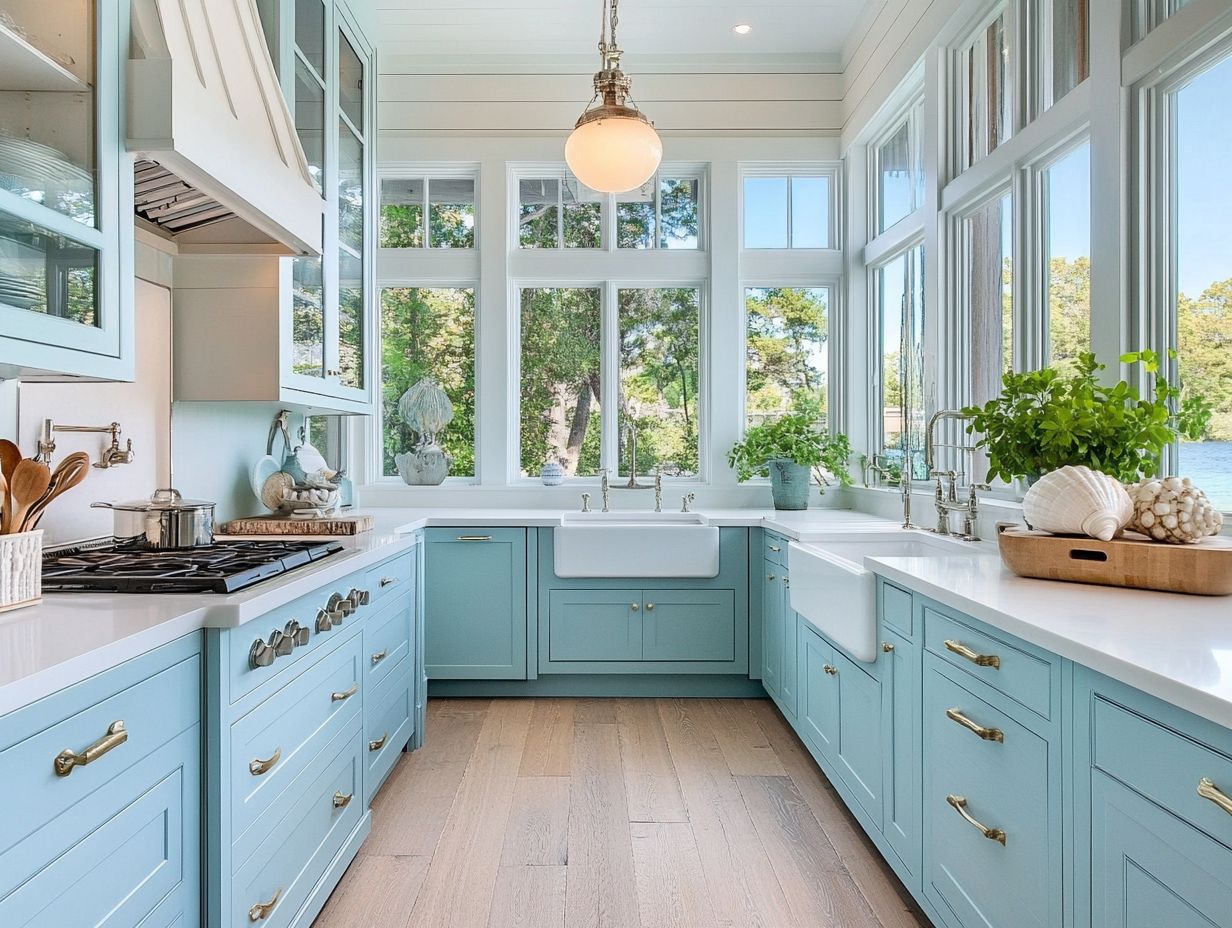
[{"x": 218, "y": 160}]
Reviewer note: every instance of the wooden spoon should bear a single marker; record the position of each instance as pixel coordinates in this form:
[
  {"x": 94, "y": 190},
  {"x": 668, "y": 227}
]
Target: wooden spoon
[
  {"x": 30, "y": 481},
  {"x": 68, "y": 473},
  {"x": 10, "y": 457}
]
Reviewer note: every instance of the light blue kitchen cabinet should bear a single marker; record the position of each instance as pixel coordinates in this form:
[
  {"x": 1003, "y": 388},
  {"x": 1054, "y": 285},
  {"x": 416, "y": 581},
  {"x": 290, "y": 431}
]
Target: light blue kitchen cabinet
[
  {"x": 688, "y": 625},
  {"x": 108, "y": 771},
  {"x": 66, "y": 203},
  {"x": 859, "y": 757},
  {"x": 475, "y": 605},
  {"x": 789, "y": 690},
  {"x": 900, "y": 733},
  {"x": 595, "y": 625},
  {"x": 819, "y": 691},
  {"x": 772, "y": 627}
]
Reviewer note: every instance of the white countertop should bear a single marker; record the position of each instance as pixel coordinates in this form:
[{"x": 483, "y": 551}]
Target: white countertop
[{"x": 1170, "y": 645}]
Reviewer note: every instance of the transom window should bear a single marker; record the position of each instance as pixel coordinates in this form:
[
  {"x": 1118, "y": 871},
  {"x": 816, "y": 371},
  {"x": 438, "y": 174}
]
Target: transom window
[
  {"x": 897, "y": 188},
  {"x": 428, "y": 212},
  {"x": 788, "y": 210}
]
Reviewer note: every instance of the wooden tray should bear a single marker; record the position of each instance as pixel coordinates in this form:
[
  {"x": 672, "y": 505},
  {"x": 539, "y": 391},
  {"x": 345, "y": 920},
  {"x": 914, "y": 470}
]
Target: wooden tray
[
  {"x": 280, "y": 525},
  {"x": 1204, "y": 568}
]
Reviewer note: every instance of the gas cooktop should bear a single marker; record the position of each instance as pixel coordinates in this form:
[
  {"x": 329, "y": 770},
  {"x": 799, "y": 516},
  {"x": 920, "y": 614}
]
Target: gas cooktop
[{"x": 223, "y": 567}]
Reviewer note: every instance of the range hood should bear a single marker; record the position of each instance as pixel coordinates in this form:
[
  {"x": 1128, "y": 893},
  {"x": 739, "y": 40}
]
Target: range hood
[{"x": 218, "y": 160}]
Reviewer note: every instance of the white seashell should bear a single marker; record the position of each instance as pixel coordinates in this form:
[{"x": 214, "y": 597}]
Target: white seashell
[
  {"x": 1078, "y": 501},
  {"x": 1173, "y": 510}
]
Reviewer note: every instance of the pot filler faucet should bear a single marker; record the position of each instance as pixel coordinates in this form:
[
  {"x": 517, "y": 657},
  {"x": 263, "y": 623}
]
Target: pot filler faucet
[{"x": 946, "y": 501}]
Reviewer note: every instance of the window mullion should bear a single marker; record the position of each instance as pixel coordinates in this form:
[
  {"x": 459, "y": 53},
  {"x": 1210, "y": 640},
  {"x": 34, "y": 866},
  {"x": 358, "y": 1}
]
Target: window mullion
[{"x": 609, "y": 371}]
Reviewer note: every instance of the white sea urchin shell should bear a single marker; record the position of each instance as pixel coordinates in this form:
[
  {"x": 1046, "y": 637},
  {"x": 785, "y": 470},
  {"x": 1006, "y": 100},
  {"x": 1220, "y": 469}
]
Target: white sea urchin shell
[
  {"x": 1075, "y": 500},
  {"x": 1172, "y": 509}
]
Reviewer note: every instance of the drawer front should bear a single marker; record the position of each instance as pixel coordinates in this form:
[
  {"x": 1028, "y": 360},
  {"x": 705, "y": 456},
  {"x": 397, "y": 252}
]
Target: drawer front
[
  {"x": 244, "y": 677},
  {"x": 860, "y": 736},
  {"x": 595, "y": 625},
  {"x": 131, "y": 850},
  {"x": 1007, "y": 785},
  {"x": 150, "y": 712},
  {"x": 272, "y": 886},
  {"x": 389, "y": 725},
  {"x": 1023, "y": 676},
  {"x": 276, "y": 740},
  {"x": 1165, "y": 766},
  {"x": 387, "y": 636},
  {"x": 774, "y": 548},
  {"x": 688, "y": 625},
  {"x": 820, "y": 692},
  {"x": 896, "y": 608},
  {"x": 393, "y": 577}
]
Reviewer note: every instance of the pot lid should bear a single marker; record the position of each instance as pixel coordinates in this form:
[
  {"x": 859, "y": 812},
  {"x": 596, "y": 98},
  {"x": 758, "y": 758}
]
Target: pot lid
[{"x": 164, "y": 499}]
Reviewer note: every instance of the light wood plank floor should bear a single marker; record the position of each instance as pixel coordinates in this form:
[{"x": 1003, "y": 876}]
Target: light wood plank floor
[{"x": 614, "y": 813}]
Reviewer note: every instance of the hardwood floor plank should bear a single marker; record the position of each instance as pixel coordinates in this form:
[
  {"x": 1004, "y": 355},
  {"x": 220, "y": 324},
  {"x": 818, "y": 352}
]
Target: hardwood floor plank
[
  {"x": 528, "y": 897},
  {"x": 549, "y": 746},
  {"x": 601, "y": 891},
  {"x": 375, "y": 891},
  {"x": 886, "y": 896},
  {"x": 409, "y": 813},
  {"x": 743, "y": 888},
  {"x": 671, "y": 888},
  {"x": 593, "y": 710},
  {"x": 538, "y": 831},
  {"x": 651, "y": 787},
  {"x": 462, "y": 877},
  {"x": 818, "y": 887},
  {"x": 745, "y": 747}
]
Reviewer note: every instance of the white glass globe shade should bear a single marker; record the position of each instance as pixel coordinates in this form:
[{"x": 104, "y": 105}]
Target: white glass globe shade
[{"x": 614, "y": 154}]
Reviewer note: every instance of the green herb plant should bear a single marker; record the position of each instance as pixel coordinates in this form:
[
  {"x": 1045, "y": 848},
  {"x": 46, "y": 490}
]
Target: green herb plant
[
  {"x": 1044, "y": 420},
  {"x": 795, "y": 437}
]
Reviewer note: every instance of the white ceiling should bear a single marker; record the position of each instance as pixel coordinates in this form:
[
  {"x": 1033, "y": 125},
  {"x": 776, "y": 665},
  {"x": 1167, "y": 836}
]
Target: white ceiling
[{"x": 558, "y": 29}]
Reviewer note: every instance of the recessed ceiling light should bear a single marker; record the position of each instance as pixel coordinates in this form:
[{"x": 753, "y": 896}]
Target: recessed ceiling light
[{"x": 742, "y": 28}]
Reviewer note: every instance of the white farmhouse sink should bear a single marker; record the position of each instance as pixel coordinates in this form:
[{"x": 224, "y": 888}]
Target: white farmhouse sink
[
  {"x": 636, "y": 544},
  {"x": 833, "y": 590}
]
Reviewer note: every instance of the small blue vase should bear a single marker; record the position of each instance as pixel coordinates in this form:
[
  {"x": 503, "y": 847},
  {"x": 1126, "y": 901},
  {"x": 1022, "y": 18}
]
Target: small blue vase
[
  {"x": 789, "y": 483},
  {"x": 552, "y": 474}
]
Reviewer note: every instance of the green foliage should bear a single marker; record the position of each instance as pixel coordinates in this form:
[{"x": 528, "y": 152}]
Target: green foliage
[
  {"x": 1204, "y": 341},
  {"x": 797, "y": 438},
  {"x": 786, "y": 333},
  {"x": 401, "y": 226},
  {"x": 1046, "y": 419}
]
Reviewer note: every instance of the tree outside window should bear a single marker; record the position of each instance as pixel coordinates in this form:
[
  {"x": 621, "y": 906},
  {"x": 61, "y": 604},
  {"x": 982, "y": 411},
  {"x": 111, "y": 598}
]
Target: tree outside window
[{"x": 785, "y": 346}]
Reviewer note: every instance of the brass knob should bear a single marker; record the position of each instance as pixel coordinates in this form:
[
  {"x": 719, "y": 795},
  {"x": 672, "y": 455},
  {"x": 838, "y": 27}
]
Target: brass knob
[
  {"x": 830, "y": 669},
  {"x": 635, "y": 606},
  {"x": 650, "y": 607},
  {"x": 341, "y": 800},
  {"x": 887, "y": 647},
  {"x": 769, "y": 576}
]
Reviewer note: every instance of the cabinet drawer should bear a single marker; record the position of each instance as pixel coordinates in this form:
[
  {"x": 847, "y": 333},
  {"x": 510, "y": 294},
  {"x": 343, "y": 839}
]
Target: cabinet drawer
[
  {"x": 276, "y": 740},
  {"x": 132, "y": 849},
  {"x": 896, "y": 608},
  {"x": 1163, "y": 765},
  {"x": 299, "y": 848},
  {"x": 389, "y": 724},
  {"x": 392, "y": 577},
  {"x": 1010, "y": 669},
  {"x": 774, "y": 548},
  {"x": 387, "y": 636},
  {"x": 1005, "y": 785},
  {"x": 151, "y": 711}
]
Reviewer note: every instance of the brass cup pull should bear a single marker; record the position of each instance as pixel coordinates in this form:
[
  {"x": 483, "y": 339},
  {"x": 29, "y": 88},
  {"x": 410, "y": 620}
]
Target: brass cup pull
[
  {"x": 341, "y": 801},
  {"x": 380, "y": 656},
  {"x": 262, "y": 910},
  {"x": 378, "y": 743},
  {"x": 345, "y": 694},
  {"x": 959, "y": 804},
  {"x": 830, "y": 669},
  {"x": 67, "y": 759},
  {"x": 1208, "y": 790},
  {"x": 388, "y": 581},
  {"x": 988, "y": 734},
  {"x": 474, "y": 538},
  {"x": 775, "y": 548},
  {"x": 980, "y": 660},
  {"x": 258, "y": 767}
]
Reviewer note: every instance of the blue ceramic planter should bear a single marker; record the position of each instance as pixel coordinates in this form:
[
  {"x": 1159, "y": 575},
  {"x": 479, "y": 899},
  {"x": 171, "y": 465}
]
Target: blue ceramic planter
[{"x": 789, "y": 483}]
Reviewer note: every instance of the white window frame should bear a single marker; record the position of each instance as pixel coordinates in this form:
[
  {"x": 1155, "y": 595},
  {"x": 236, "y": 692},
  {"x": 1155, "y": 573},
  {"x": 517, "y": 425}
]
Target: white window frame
[
  {"x": 789, "y": 170},
  {"x": 907, "y": 112},
  {"x": 959, "y": 106},
  {"x": 428, "y": 171}
]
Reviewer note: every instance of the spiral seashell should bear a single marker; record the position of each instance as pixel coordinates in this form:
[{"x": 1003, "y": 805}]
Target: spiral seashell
[{"x": 1075, "y": 500}]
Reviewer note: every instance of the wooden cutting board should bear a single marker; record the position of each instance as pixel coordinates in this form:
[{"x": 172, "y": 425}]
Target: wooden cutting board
[
  {"x": 280, "y": 525},
  {"x": 1204, "y": 568}
]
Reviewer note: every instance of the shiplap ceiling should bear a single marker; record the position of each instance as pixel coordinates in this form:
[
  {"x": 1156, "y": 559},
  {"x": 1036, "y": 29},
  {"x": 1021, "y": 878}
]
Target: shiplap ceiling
[{"x": 561, "y": 34}]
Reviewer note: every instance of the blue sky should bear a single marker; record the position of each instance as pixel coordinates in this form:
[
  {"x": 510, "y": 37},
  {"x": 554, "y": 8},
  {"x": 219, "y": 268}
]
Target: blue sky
[{"x": 1204, "y": 195}]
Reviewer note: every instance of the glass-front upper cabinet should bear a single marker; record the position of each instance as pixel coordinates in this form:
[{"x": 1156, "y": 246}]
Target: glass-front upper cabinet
[{"x": 60, "y": 221}]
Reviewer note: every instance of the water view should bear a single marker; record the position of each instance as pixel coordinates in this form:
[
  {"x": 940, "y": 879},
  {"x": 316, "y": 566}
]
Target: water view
[{"x": 1209, "y": 465}]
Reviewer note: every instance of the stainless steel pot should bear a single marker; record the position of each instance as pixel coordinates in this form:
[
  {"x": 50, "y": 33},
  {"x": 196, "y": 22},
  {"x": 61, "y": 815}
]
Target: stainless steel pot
[{"x": 164, "y": 521}]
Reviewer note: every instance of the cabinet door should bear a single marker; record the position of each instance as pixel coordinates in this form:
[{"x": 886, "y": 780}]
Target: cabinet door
[
  {"x": 820, "y": 692},
  {"x": 772, "y": 627},
  {"x": 1150, "y": 869},
  {"x": 475, "y": 604},
  {"x": 900, "y": 732},
  {"x": 789, "y": 681},
  {"x": 688, "y": 625},
  {"x": 595, "y": 625},
  {"x": 859, "y": 735}
]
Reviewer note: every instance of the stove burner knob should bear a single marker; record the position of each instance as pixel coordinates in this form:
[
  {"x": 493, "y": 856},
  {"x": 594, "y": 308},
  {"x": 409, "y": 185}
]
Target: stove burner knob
[
  {"x": 338, "y": 608},
  {"x": 297, "y": 633},
  {"x": 282, "y": 644},
  {"x": 260, "y": 655},
  {"x": 357, "y": 598},
  {"x": 323, "y": 622}
]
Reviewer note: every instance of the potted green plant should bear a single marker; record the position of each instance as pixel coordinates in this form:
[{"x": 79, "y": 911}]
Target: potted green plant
[
  {"x": 787, "y": 450},
  {"x": 1044, "y": 420}
]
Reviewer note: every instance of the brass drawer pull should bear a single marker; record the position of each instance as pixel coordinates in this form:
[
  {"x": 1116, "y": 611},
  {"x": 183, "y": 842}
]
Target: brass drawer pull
[
  {"x": 988, "y": 734},
  {"x": 342, "y": 801},
  {"x": 960, "y": 806},
  {"x": 67, "y": 759},
  {"x": 1208, "y": 790},
  {"x": 378, "y": 743},
  {"x": 388, "y": 581},
  {"x": 830, "y": 669},
  {"x": 775, "y": 548},
  {"x": 474, "y": 538},
  {"x": 262, "y": 910},
  {"x": 345, "y": 694},
  {"x": 380, "y": 655},
  {"x": 980, "y": 660},
  {"x": 258, "y": 767}
]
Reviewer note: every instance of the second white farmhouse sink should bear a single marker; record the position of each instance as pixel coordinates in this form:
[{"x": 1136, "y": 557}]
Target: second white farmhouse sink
[
  {"x": 833, "y": 590},
  {"x": 636, "y": 544}
]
